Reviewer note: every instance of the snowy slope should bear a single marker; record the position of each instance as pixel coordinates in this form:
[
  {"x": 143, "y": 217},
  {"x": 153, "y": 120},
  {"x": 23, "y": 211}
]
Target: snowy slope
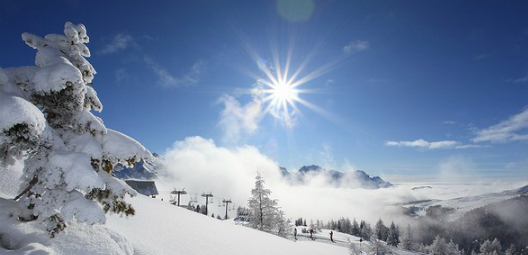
[
  {"x": 157, "y": 228},
  {"x": 161, "y": 228}
]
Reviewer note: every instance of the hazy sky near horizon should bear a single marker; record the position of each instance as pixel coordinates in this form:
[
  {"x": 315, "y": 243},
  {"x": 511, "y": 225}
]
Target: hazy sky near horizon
[{"x": 408, "y": 90}]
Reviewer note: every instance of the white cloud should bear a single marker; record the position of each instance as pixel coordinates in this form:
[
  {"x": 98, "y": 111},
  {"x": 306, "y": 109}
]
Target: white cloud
[
  {"x": 168, "y": 80},
  {"x": 238, "y": 121},
  {"x": 449, "y": 122},
  {"x": 421, "y": 143},
  {"x": 513, "y": 129},
  {"x": 356, "y": 46},
  {"x": 199, "y": 165},
  {"x": 120, "y": 42},
  {"x": 521, "y": 80},
  {"x": 456, "y": 169}
]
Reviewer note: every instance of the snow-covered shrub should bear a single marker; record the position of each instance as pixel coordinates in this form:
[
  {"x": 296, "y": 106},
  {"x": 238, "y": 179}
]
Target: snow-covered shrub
[
  {"x": 441, "y": 247},
  {"x": 353, "y": 249},
  {"x": 406, "y": 239},
  {"x": 378, "y": 247},
  {"x": 68, "y": 153},
  {"x": 491, "y": 247}
]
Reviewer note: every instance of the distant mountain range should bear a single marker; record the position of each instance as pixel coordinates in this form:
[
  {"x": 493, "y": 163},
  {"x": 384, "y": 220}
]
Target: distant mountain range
[
  {"x": 353, "y": 179},
  {"x": 140, "y": 171}
]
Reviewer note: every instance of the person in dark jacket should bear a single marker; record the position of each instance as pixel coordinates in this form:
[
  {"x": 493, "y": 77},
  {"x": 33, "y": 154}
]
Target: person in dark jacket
[{"x": 332, "y": 236}]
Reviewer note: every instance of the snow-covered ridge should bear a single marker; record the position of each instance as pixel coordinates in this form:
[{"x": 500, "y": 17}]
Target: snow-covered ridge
[
  {"x": 459, "y": 206},
  {"x": 354, "y": 179}
]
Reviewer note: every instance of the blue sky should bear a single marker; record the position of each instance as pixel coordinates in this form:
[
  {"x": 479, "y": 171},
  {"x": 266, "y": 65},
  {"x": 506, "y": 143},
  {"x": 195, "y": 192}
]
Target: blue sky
[{"x": 410, "y": 90}]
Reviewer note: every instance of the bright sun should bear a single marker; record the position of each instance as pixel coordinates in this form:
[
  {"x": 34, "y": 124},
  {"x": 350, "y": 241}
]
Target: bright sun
[
  {"x": 283, "y": 92},
  {"x": 279, "y": 90}
]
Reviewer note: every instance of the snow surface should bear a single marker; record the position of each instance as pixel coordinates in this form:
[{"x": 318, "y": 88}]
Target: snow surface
[
  {"x": 16, "y": 110},
  {"x": 161, "y": 228},
  {"x": 120, "y": 146},
  {"x": 157, "y": 228}
]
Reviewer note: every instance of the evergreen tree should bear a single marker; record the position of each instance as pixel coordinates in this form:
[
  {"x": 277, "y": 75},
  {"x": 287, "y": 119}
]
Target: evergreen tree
[
  {"x": 353, "y": 249},
  {"x": 355, "y": 228},
  {"x": 282, "y": 224},
  {"x": 406, "y": 240},
  {"x": 512, "y": 250},
  {"x": 381, "y": 230},
  {"x": 377, "y": 247},
  {"x": 439, "y": 246},
  {"x": 453, "y": 248},
  {"x": 46, "y": 121},
  {"x": 393, "y": 237},
  {"x": 489, "y": 247},
  {"x": 319, "y": 225},
  {"x": 263, "y": 208}
]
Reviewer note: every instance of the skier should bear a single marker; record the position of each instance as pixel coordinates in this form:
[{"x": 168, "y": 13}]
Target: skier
[
  {"x": 331, "y": 236},
  {"x": 311, "y": 234},
  {"x": 295, "y": 233}
]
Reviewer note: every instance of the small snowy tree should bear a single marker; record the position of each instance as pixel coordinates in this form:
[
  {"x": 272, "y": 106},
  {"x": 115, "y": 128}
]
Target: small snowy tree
[
  {"x": 406, "y": 239},
  {"x": 377, "y": 247},
  {"x": 441, "y": 247},
  {"x": 393, "y": 237},
  {"x": 355, "y": 227},
  {"x": 512, "y": 250},
  {"x": 263, "y": 209},
  {"x": 68, "y": 153},
  {"x": 365, "y": 230},
  {"x": 489, "y": 247},
  {"x": 283, "y": 225},
  {"x": 381, "y": 230},
  {"x": 353, "y": 249},
  {"x": 453, "y": 248}
]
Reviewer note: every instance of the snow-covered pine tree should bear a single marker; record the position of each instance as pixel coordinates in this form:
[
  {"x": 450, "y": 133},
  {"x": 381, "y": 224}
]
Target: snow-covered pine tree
[
  {"x": 512, "y": 250},
  {"x": 263, "y": 209},
  {"x": 68, "y": 153},
  {"x": 393, "y": 237},
  {"x": 441, "y": 247},
  {"x": 381, "y": 230},
  {"x": 406, "y": 239},
  {"x": 453, "y": 248},
  {"x": 283, "y": 225},
  {"x": 365, "y": 230},
  {"x": 355, "y": 227},
  {"x": 377, "y": 247},
  {"x": 491, "y": 247},
  {"x": 353, "y": 249}
]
